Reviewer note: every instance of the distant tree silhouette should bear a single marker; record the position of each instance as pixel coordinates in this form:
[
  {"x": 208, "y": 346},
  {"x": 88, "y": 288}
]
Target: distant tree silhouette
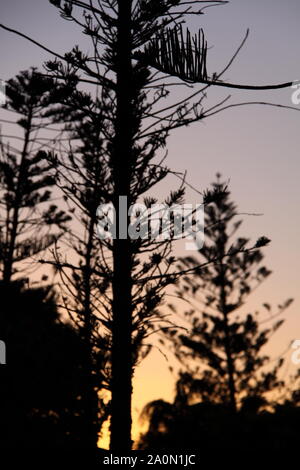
[
  {"x": 29, "y": 222},
  {"x": 42, "y": 384},
  {"x": 222, "y": 353}
]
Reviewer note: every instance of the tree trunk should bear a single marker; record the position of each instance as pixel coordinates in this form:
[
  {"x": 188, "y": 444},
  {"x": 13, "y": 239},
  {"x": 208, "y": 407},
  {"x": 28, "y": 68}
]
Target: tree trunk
[
  {"x": 230, "y": 367},
  {"x": 13, "y": 232},
  {"x": 229, "y": 359},
  {"x": 122, "y": 367},
  {"x": 90, "y": 398}
]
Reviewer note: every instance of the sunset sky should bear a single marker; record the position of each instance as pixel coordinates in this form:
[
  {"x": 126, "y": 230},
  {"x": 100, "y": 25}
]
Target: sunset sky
[{"x": 255, "y": 147}]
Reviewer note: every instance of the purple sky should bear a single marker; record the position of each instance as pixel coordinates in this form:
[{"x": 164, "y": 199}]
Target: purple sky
[{"x": 257, "y": 147}]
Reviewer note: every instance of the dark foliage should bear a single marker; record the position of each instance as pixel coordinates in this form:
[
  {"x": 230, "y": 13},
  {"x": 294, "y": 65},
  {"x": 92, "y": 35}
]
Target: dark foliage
[
  {"x": 211, "y": 428},
  {"x": 42, "y": 383}
]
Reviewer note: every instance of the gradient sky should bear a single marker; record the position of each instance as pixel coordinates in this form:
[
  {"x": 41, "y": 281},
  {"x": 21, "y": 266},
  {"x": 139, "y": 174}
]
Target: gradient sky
[{"x": 256, "y": 147}]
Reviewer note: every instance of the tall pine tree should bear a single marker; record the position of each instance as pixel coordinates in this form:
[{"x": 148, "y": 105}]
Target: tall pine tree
[
  {"x": 30, "y": 222},
  {"x": 223, "y": 352}
]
